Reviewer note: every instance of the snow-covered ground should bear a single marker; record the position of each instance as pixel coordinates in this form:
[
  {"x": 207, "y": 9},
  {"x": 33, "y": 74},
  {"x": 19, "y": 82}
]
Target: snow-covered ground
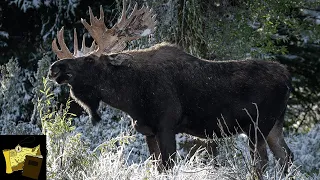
[{"x": 113, "y": 150}]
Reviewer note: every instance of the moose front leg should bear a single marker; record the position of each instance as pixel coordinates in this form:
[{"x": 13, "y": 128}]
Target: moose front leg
[
  {"x": 167, "y": 144},
  {"x": 153, "y": 147},
  {"x": 89, "y": 104},
  {"x": 150, "y": 138},
  {"x": 166, "y": 130}
]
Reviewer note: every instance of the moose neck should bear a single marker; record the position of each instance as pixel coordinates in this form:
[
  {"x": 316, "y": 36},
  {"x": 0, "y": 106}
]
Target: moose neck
[{"x": 117, "y": 88}]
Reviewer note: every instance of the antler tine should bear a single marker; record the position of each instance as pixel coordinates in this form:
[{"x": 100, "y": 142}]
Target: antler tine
[
  {"x": 101, "y": 13},
  {"x": 83, "y": 44},
  {"x": 139, "y": 23},
  {"x": 75, "y": 43},
  {"x": 84, "y": 48},
  {"x": 93, "y": 46},
  {"x": 98, "y": 30},
  {"x": 124, "y": 10},
  {"x": 87, "y": 50},
  {"x": 55, "y": 48},
  {"x": 64, "y": 52},
  {"x": 123, "y": 20}
]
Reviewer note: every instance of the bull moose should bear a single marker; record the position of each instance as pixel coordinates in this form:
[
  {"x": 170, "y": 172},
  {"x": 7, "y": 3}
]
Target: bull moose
[{"x": 168, "y": 91}]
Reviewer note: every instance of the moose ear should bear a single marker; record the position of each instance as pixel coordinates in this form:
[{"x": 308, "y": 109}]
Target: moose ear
[{"x": 118, "y": 59}]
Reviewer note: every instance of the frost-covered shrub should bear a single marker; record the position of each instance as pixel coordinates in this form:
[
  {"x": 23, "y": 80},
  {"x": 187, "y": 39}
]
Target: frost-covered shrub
[
  {"x": 14, "y": 100},
  {"x": 37, "y": 82},
  {"x": 62, "y": 138},
  {"x": 114, "y": 123},
  {"x": 306, "y": 150},
  {"x": 56, "y": 125},
  {"x": 111, "y": 160},
  {"x": 22, "y": 128}
]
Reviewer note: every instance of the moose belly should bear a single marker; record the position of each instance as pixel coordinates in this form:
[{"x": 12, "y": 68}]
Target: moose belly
[{"x": 208, "y": 127}]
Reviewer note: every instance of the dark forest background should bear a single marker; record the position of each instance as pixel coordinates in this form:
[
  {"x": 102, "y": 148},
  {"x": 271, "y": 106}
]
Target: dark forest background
[{"x": 287, "y": 31}]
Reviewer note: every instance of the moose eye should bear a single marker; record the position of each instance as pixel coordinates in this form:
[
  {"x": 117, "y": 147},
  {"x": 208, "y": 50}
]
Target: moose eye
[
  {"x": 62, "y": 67},
  {"x": 113, "y": 55},
  {"x": 89, "y": 60}
]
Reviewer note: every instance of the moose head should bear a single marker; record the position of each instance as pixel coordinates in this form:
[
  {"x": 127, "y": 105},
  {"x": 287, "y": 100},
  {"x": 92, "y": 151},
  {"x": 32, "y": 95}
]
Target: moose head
[{"x": 141, "y": 22}]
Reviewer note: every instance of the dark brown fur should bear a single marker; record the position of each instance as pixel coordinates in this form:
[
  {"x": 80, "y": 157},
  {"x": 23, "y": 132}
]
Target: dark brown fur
[{"x": 167, "y": 91}]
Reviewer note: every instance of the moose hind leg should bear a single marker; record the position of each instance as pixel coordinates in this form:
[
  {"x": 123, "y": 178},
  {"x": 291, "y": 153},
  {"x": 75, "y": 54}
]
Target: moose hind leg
[
  {"x": 279, "y": 147},
  {"x": 259, "y": 154}
]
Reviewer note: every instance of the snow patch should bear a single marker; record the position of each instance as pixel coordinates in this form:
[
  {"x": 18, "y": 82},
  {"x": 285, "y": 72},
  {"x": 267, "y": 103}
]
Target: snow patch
[
  {"x": 146, "y": 32},
  {"x": 4, "y": 34}
]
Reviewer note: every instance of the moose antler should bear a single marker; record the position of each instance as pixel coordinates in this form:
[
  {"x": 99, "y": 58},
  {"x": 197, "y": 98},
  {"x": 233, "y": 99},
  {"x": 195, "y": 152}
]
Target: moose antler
[
  {"x": 139, "y": 23},
  {"x": 64, "y": 52}
]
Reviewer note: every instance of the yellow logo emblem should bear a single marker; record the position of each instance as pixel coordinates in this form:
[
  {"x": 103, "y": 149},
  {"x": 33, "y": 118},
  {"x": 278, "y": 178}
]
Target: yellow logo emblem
[{"x": 15, "y": 157}]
